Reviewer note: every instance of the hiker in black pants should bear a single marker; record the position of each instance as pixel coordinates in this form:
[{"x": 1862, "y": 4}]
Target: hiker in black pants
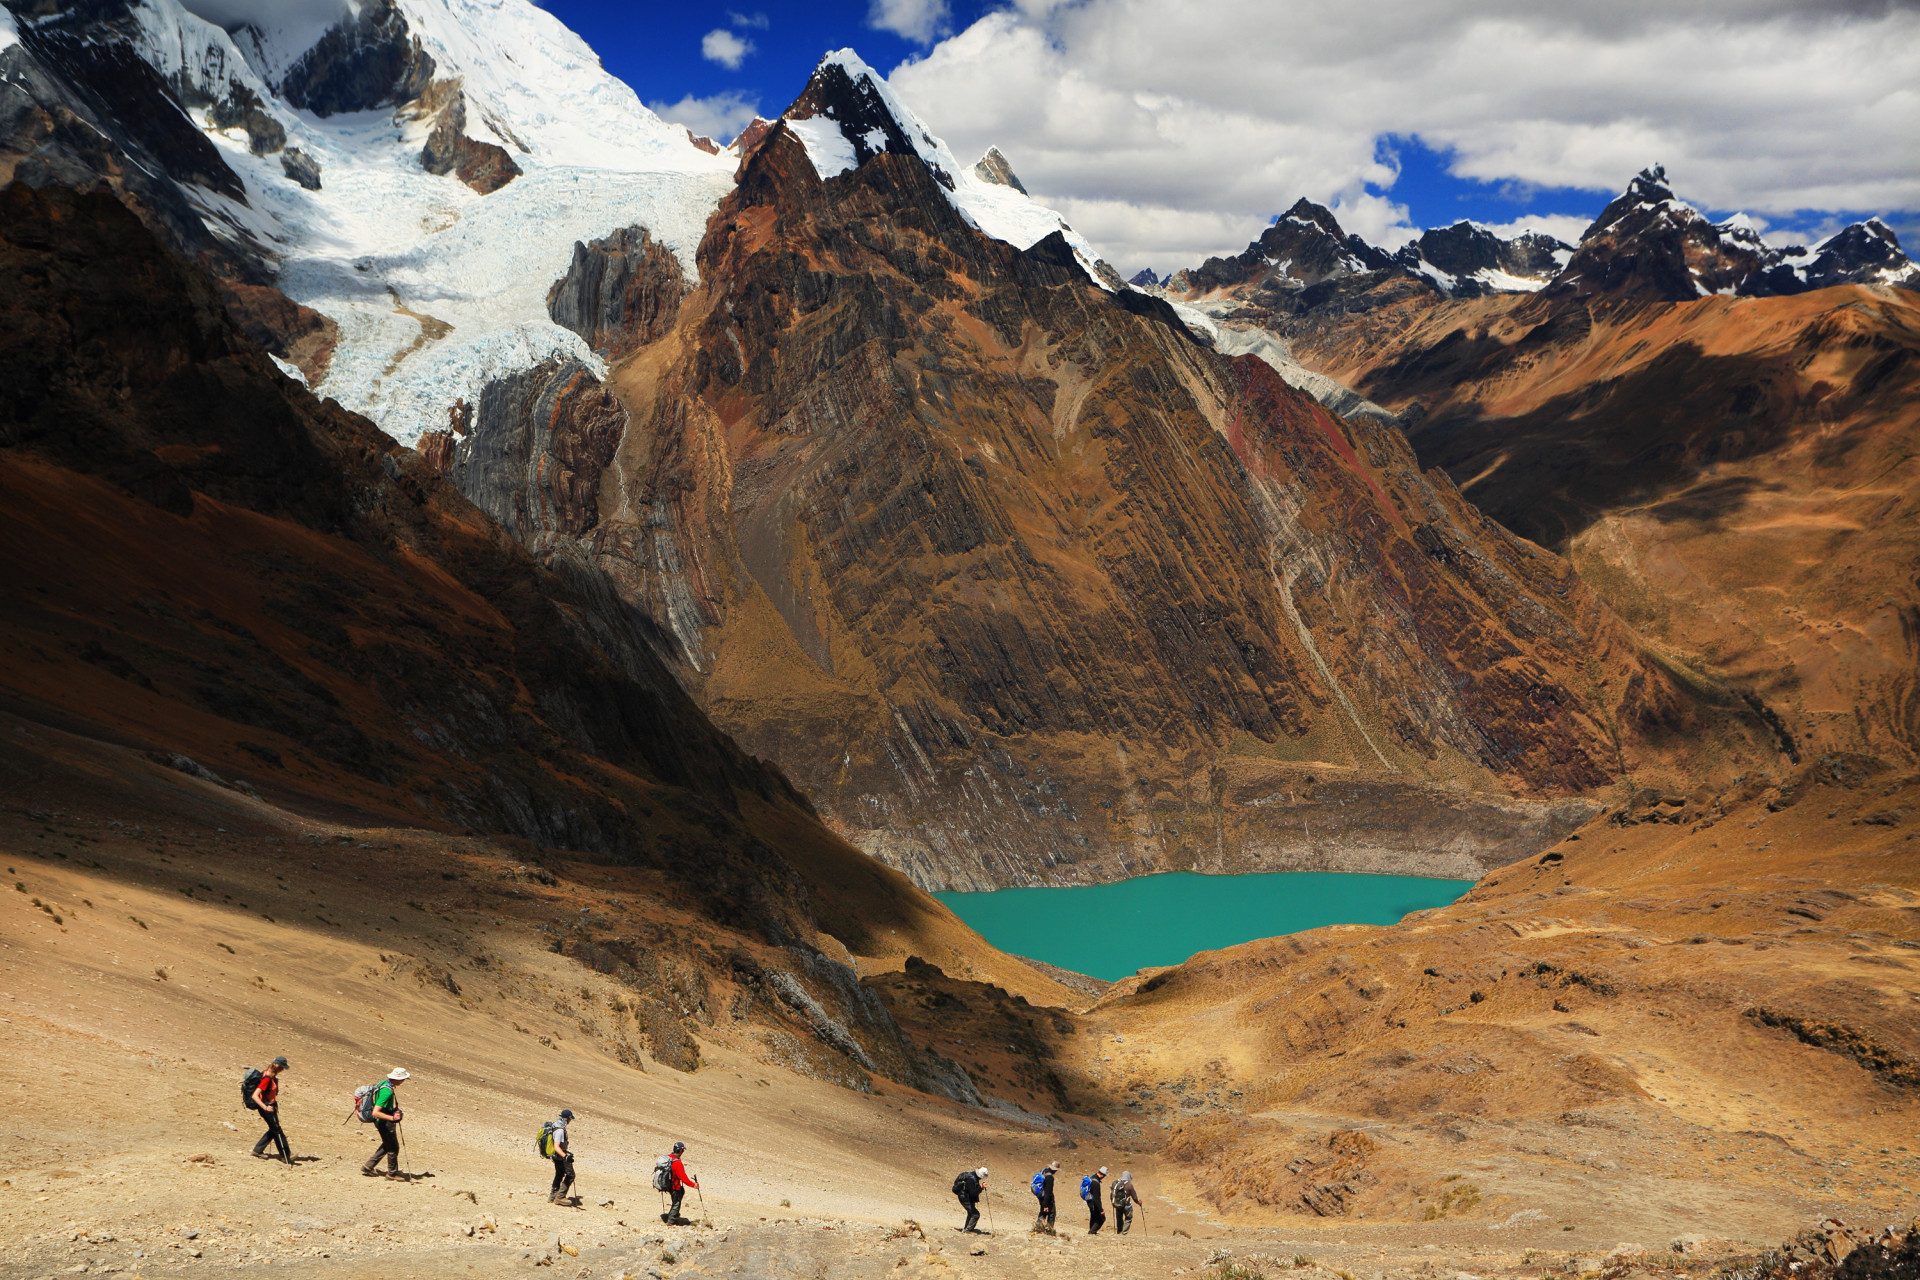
[
  {"x": 969, "y": 1189},
  {"x": 562, "y": 1156},
  {"x": 386, "y": 1118},
  {"x": 1090, "y": 1192},
  {"x": 266, "y": 1100},
  {"x": 678, "y": 1182},
  {"x": 1049, "y": 1212},
  {"x": 1125, "y": 1200}
]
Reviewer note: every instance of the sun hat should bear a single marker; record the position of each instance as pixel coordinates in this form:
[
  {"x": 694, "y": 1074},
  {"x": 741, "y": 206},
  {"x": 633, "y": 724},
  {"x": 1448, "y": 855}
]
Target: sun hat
[
  {"x": 566, "y": 1114},
  {"x": 281, "y": 1061},
  {"x": 982, "y": 1171},
  {"x": 398, "y": 1073}
]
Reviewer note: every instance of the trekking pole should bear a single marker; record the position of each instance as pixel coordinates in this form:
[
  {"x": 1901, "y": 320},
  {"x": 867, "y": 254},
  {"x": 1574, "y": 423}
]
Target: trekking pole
[
  {"x": 400, "y": 1135},
  {"x": 705, "y": 1220},
  {"x": 990, "y": 1227}
]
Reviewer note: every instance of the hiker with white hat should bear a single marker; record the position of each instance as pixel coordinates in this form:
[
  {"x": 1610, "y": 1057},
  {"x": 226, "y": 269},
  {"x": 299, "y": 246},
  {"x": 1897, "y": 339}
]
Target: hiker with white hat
[
  {"x": 969, "y": 1186},
  {"x": 386, "y": 1116},
  {"x": 1090, "y": 1192},
  {"x": 1043, "y": 1191}
]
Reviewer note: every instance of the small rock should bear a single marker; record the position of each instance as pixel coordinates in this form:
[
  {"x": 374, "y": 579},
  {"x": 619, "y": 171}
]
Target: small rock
[
  {"x": 606, "y": 1204},
  {"x": 189, "y": 1233},
  {"x": 978, "y": 1251}
]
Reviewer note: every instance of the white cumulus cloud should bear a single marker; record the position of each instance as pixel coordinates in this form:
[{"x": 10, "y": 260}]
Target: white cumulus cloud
[
  {"x": 722, "y": 46},
  {"x": 921, "y": 21},
  {"x": 719, "y": 116},
  {"x": 1168, "y": 130}
]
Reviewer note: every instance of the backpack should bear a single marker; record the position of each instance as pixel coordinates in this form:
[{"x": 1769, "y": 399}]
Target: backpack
[
  {"x": 543, "y": 1142},
  {"x": 1086, "y": 1187},
  {"x": 960, "y": 1183},
  {"x": 363, "y": 1097},
  {"x": 1040, "y": 1183},
  {"x": 663, "y": 1174},
  {"x": 248, "y": 1085}
]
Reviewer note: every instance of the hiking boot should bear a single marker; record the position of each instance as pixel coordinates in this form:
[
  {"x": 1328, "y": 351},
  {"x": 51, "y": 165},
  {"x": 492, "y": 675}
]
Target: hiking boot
[
  {"x": 261, "y": 1155},
  {"x": 665, "y": 1218}
]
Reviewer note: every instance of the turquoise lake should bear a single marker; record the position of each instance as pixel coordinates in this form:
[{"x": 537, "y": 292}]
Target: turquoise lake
[{"x": 1109, "y": 930}]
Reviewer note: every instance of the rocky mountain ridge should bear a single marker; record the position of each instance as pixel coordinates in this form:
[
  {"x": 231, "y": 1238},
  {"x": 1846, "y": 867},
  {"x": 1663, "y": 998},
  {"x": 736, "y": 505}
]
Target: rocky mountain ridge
[{"x": 1020, "y": 583}]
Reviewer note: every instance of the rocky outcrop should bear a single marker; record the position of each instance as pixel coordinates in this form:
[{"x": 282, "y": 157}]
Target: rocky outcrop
[
  {"x": 620, "y": 292},
  {"x": 371, "y": 59},
  {"x": 540, "y": 440},
  {"x": 994, "y": 167},
  {"x": 301, "y": 167},
  {"x": 297, "y": 334},
  {"x": 484, "y": 166}
]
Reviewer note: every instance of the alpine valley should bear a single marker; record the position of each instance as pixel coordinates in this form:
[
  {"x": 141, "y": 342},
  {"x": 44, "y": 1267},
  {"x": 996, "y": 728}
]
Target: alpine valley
[{"x": 631, "y": 574}]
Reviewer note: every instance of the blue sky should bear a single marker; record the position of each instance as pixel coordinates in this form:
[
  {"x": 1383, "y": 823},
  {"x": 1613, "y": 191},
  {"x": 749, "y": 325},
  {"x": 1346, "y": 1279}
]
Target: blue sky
[
  {"x": 1169, "y": 130},
  {"x": 656, "y": 48}
]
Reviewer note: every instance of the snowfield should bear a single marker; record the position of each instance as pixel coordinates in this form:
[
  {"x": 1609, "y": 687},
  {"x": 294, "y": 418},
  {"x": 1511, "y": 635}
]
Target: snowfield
[{"x": 438, "y": 290}]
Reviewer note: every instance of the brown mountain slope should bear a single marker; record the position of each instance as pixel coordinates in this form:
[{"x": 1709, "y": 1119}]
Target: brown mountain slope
[
  {"x": 1736, "y": 476},
  {"x": 213, "y": 567},
  {"x": 1020, "y": 583},
  {"x": 1691, "y": 1012}
]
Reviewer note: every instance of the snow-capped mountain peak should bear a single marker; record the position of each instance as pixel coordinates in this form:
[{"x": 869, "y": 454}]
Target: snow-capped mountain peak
[{"x": 848, "y": 114}]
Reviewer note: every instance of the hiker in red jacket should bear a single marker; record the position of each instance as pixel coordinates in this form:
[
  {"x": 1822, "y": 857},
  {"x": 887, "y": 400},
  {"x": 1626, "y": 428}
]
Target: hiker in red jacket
[{"x": 681, "y": 1181}]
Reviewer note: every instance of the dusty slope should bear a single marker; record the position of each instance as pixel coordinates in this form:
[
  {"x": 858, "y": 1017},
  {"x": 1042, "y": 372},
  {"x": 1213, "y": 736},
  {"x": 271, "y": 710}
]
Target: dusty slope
[{"x": 140, "y": 870}]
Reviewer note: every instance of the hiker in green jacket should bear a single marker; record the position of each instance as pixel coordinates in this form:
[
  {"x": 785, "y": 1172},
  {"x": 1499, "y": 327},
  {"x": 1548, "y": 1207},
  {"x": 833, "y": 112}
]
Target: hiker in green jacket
[
  {"x": 266, "y": 1101},
  {"x": 386, "y": 1118}
]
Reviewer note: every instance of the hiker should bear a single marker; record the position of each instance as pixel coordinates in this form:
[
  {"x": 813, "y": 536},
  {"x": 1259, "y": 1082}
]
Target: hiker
[
  {"x": 678, "y": 1180},
  {"x": 1125, "y": 1201},
  {"x": 263, "y": 1095},
  {"x": 1043, "y": 1191},
  {"x": 386, "y": 1116},
  {"x": 969, "y": 1186},
  {"x": 555, "y": 1145},
  {"x": 1090, "y": 1192}
]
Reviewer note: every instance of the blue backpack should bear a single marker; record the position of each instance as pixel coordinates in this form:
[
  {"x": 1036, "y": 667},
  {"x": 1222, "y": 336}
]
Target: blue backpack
[
  {"x": 1086, "y": 1187},
  {"x": 1040, "y": 1183}
]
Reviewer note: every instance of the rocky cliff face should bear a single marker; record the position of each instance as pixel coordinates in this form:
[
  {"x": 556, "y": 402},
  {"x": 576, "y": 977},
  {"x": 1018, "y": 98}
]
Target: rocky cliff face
[{"x": 1022, "y": 583}]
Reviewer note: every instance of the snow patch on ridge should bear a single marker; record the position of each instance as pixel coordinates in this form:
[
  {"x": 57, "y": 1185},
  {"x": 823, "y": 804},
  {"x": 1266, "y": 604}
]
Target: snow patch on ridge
[
  {"x": 998, "y": 210},
  {"x": 830, "y": 150},
  {"x": 9, "y": 33}
]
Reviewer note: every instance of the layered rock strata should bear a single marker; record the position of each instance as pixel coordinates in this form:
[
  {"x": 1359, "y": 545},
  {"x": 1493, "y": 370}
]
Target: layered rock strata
[{"x": 1022, "y": 584}]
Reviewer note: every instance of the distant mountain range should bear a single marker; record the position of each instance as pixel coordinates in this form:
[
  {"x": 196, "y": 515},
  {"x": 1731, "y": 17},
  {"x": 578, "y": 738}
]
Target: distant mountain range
[{"x": 1647, "y": 241}]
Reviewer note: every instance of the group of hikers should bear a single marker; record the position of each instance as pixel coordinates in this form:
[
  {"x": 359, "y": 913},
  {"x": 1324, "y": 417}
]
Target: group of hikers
[
  {"x": 379, "y": 1105},
  {"x": 971, "y": 1185}
]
